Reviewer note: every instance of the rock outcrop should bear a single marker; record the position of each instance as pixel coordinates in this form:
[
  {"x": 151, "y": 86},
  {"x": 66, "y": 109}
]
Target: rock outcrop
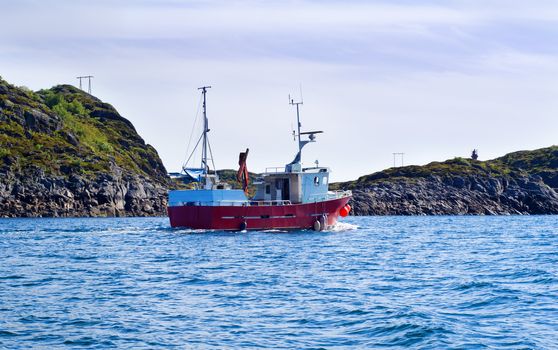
[
  {"x": 65, "y": 153},
  {"x": 519, "y": 183}
]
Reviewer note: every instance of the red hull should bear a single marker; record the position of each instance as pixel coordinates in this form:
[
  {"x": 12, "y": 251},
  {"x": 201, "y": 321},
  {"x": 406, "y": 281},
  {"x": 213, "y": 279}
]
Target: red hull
[{"x": 294, "y": 216}]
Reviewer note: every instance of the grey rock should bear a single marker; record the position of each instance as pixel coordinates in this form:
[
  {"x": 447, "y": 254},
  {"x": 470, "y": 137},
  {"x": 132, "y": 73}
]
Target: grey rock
[
  {"x": 40, "y": 195},
  {"x": 433, "y": 196}
]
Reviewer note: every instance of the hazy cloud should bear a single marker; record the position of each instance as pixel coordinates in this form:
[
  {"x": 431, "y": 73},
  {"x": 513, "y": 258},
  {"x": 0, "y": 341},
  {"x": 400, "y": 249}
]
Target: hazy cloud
[{"x": 433, "y": 79}]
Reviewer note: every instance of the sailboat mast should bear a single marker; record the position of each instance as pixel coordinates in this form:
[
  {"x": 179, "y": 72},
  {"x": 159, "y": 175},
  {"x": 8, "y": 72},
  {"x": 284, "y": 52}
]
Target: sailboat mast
[{"x": 204, "y": 164}]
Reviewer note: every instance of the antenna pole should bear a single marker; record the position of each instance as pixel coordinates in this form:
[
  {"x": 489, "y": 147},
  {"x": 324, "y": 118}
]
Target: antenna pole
[
  {"x": 298, "y": 124},
  {"x": 205, "y": 131},
  {"x": 293, "y": 103}
]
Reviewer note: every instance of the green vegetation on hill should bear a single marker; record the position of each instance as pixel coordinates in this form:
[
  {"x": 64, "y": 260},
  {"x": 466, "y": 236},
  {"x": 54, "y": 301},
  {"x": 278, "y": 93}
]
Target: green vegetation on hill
[
  {"x": 542, "y": 162},
  {"x": 65, "y": 131}
]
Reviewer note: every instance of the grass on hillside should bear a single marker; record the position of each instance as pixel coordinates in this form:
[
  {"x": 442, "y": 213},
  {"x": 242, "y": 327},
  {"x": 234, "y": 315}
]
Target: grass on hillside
[
  {"x": 542, "y": 162},
  {"x": 84, "y": 144}
]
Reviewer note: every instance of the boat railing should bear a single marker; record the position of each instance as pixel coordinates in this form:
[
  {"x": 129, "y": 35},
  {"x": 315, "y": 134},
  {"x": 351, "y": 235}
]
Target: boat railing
[
  {"x": 235, "y": 203},
  {"x": 274, "y": 170},
  {"x": 318, "y": 197},
  {"x": 329, "y": 195},
  {"x": 270, "y": 202},
  {"x": 340, "y": 193}
]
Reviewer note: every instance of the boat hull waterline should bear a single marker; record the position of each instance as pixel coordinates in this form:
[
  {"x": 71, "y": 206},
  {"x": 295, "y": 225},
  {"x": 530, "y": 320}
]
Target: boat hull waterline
[{"x": 254, "y": 217}]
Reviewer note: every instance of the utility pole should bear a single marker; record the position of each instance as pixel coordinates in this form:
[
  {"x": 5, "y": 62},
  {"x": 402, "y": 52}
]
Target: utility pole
[
  {"x": 398, "y": 154},
  {"x": 88, "y": 77}
]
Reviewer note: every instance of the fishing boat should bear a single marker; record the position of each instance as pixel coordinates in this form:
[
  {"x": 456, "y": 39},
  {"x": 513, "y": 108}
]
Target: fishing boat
[{"x": 289, "y": 197}]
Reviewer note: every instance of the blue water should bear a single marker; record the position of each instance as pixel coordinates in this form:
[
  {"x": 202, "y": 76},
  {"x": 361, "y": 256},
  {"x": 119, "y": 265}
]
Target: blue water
[{"x": 374, "y": 282}]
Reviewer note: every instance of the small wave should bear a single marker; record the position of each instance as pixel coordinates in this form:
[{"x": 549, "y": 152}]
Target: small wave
[
  {"x": 545, "y": 280},
  {"x": 490, "y": 301},
  {"x": 39, "y": 282},
  {"x": 35, "y": 319},
  {"x": 4, "y": 333},
  {"x": 522, "y": 275},
  {"x": 357, "y": 312},
  {"x": 415, "y": 336},
  {"x": 11, "y": 277},
  {"x": 473, "y": 285},
  {"x": 81, "y": 323},
  {"x": 244, "y": 284},
  {"x": 83, "y": 258},
  {"x": 83, "y": 341},
  {"x": 389, "y": 329}
]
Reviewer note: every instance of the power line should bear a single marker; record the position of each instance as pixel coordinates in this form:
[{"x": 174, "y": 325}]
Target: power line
[{"x": 88, "y": 77}]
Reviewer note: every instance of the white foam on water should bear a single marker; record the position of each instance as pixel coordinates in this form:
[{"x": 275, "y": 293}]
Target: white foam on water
[
  {"x": 188, "y": 230},
  {"x": 342, "y": 227}
]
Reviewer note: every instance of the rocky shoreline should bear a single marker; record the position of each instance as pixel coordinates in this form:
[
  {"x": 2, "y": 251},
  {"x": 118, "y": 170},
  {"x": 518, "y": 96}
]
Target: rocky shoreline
[
  {"x": 113, "y": 194},
  {"x": 65, "y": 153},
  {"x": 520, "y": 183},
  {"x": 457, "y": 196}
]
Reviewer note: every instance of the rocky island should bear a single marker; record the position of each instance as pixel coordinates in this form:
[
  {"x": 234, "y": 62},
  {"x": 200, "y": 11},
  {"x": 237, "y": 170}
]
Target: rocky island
[
  {"x": 524, "y": 182},
  {"x": 66, "y": 153}
]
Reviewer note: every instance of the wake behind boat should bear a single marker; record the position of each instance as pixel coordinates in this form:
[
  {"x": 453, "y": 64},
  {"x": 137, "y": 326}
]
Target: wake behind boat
[{"x": 290, "y": 197}]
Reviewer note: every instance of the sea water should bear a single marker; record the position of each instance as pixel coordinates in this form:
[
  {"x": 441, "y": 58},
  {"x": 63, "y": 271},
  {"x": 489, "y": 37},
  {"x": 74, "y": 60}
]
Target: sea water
[{"x": 372, "y": 282}]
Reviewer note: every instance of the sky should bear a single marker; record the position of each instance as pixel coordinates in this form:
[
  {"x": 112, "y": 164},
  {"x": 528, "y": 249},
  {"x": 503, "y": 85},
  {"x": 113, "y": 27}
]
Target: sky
[{"x": 432, "y": 79}]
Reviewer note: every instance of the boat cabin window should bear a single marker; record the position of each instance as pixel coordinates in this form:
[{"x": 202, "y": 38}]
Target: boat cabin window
[
  {"x": 268, "y": 189},
  {"x": 316, "y": 181},
  {"x": 325, "y": 180}
]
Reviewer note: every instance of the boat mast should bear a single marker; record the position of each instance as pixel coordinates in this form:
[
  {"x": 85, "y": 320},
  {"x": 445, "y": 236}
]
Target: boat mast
[
  {"x": 300, "y": 144},
  {"x": 204, "y": 164}
]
